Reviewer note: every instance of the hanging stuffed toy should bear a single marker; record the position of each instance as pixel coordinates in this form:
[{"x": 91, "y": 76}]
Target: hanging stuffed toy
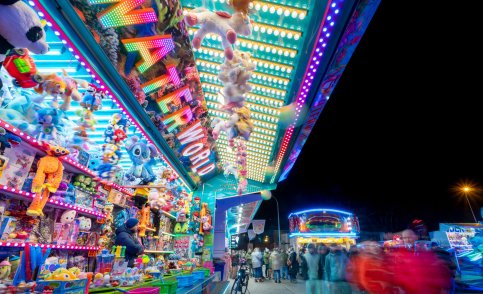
[
  {"x": 47, "y": 178},
  {"x": 71, "y": 90},
  {"x": 52, "y": 85},
  {"x": 141, "y": 155},
  {"x": 20, "y": 27},
  {"x": 7, "y": 140},
  {"x": 239, "y": 124},
  {"x": 48, "y": 119},
  {"x": 222, "y": 23},
  {"x": 144, "y": 219}
]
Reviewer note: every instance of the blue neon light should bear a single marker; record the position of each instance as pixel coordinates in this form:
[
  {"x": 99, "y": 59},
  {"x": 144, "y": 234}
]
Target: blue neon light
[
  {"x": 321, "y": 210},
  {"x": 323, "y": 235}
]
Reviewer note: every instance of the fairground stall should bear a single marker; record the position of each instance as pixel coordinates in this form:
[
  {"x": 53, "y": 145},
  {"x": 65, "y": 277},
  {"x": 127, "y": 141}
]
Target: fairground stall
[
  {"x": 323, "y": 226},
  {"x": 465, "y": 240},
  {"x": 160, "y": 111}
]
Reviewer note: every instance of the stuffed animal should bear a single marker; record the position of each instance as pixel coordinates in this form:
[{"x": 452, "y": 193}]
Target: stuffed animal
[
  {"x": 85, "y": 224},
  {"x": 221, "y": 23},
  {"x": 20, "y": 27},
  {"x": 92, "y": 98},
  {"x": 47, "y": 178},
  {"x": 71, "y": 90},
  {"x": 5, "y": 269},
  {"x": 239, "y": 124},
  {"x": 141, "y": 155},
  {"x": 52, "y": 85},
  {"x": 48, "y": 119},
  {"x": 61, "y": 274},
  {"x": 206, "y": 223},
  {"x": 7, "y": 140},
  {"x": 144, "y": 219}
]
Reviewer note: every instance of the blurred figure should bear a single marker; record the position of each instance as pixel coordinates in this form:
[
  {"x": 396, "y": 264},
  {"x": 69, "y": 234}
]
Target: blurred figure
[
  {"x": 335, "y": 268},
  {"x": 408, "y": 238},
  {"x": 448, "y": 259},
  {"x": 311, "y": 270},
  {"x": 367, "y": 271},
  {"x": 248, "y": 257},
  {"x": 322, "y": 250},
  {"x": 266, "y": 263},
  {"x": 303, "y": 264},
  {"x": 228, "y": 267},
  {"x": 257, "y": 260},
  {"x": 276, "y": 265},
  {"x": 293, "y": 265},
  {"x": 419, "y": 272},
  {"x": 284, "y": 257}
]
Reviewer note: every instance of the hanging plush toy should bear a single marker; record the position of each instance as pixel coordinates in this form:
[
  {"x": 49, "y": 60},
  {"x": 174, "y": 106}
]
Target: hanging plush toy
[
  {"x": 20, "y": 27},
  {"x": 48, "y": 119},
  {"x": 47, "y": 178},
  {"x": 222, "y": 23},
  {"x": 144, "y": 219},
  {"x": 52, "y": 85},
  {"x": 7, "y": 140},
  {"x": 141, "y": 154},
  {"x": 71, "y": 90},
  {"x": 239, "y": 124}
]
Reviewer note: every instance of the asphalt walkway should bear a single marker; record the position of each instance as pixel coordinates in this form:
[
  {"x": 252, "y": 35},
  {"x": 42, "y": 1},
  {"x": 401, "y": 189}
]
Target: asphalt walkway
[{"x": 270, "y": 287}]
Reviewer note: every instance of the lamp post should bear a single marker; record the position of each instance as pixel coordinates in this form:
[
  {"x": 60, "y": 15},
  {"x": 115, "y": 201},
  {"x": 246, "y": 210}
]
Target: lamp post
[
  {"x": 278, "y": 217},
  {"x": 467, "y": 190}
]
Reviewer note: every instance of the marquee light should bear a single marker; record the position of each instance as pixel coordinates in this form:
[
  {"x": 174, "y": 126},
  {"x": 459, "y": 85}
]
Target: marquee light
[
  {"x": 310, "y": 72},
  {"x": 123, "y": 13},
  {"x": 323, "y": 210},
  {"x": 323, "y": 235}
]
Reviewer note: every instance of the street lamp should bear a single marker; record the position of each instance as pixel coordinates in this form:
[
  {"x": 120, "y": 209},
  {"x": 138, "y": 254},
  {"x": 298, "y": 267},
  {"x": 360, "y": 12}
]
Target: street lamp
[
  {"x": 266, "y": 195},
  {"x": 467, "y": 190}
]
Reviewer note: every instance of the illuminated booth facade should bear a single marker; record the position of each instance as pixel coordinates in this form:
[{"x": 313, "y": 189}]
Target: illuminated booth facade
[{"x": 323, "y": 226}]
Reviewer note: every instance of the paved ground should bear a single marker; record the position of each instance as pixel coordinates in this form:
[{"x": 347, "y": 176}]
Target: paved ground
[{"x": 269, "y": 287}]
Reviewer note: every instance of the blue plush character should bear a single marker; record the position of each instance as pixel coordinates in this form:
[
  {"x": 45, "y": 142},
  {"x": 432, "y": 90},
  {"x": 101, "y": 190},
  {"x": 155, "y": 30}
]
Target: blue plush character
[
  {"x": 109, "y": 135},
  {"x": 48, "y": 119},
  {"x": 7, "y": 140},
  {"x": 111, "y": 156},
  {"x": 94, "y": 160},
  {"x": 142, "y": 156}
]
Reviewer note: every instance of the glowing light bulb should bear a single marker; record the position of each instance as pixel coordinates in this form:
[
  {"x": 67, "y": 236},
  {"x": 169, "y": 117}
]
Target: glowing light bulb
[
  {"x": 286, "y": 12},
  {"x": 279, "y": 11},
  {"x": 265, "y": 8},
  {"x": 295, "y": 14}
]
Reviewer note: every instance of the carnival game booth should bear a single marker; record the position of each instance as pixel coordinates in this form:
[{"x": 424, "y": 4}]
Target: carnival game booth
[
  {"x": 323, "y": 226},
  {"x": 112, "y": 109}
]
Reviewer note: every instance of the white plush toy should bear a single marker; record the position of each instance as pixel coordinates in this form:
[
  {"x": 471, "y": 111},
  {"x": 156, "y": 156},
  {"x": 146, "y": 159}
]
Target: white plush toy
[
  {"x": 156, "y": 199},
  {"x": 222, "y": 23},
  {"x": 230, "y": 169},
  {"x": 20, "y": 27},
  {"x": 238, "y": 70},
  {"x": 85, "y": 224},
  {"x": 226, "y": 126}
]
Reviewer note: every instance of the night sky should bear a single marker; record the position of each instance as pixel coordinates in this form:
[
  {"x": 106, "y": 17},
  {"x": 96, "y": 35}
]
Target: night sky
[{"x": 403, "y": 126}]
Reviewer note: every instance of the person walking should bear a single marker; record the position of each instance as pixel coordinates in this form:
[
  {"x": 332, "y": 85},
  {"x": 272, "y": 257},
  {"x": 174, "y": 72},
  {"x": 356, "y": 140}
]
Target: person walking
[
  {"x": 266, "y": 262},
  {"x": 311, "y": 270},
  {"x": 284, "y": 257},
  {"x": 293, "y": 265},
  {"x": 257, "y": 259},
  {"x": 276, "y": 261},
  {"x": 303, "y": 264},
  {"x": 248, "y": 258},
  {"x": 335, "y": 268},
  {"x": 322, "y": 250}
]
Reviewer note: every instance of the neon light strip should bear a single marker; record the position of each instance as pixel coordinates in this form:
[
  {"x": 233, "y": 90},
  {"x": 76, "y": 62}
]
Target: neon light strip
[
  {"x": 163, "y": 45},
  {"x": 30, "y": 196},
  {"x": 123, "y": 14},
  {"x": 323, "y": 235},
  {"x": 321, "y": 210},
  {"x": 70, "y": 46},
  {"x": 53, "y": 246},
  {"x": 32, "y": 141},
  {"x": 325, "y": 31}
]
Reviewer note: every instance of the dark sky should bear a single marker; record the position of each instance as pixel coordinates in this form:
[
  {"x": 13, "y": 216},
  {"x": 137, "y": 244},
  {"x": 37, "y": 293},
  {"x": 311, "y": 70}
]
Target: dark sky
[{"x": 403, "y": 125}]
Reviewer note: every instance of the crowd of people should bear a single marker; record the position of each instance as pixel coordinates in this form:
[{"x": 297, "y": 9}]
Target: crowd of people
[{"x": 411, "y": 267}]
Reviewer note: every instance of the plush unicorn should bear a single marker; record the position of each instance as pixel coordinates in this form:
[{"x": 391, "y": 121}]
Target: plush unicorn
[{"x": 222, "y": 23}]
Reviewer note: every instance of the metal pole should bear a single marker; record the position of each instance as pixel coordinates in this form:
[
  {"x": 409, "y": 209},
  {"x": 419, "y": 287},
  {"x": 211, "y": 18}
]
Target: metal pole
[
  {"x": 474, "y": 217},
  {"x": 278, "y": 216}
]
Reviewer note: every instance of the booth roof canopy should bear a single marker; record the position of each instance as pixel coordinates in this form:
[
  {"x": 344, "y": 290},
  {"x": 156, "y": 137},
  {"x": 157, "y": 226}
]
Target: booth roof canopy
[{"x": 275, "y": 46}]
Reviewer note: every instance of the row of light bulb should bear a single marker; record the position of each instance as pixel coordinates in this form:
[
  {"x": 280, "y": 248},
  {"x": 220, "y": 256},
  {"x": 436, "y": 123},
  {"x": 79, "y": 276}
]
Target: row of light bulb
[
  {"x": 253, "y": 156},
  {"x": 256, "y": 122},
  {"x": 259, "y": 76},
  {"x": 264, "y": 90},
  {"x": 252, "y": 106},
  {"x": 272, "y": 119},
  {"x": 249, "y": 145},
  {"x": 254, "y": 45},
  {"x": 259, "y": 62},
  {"x": 269, "y": 102}
]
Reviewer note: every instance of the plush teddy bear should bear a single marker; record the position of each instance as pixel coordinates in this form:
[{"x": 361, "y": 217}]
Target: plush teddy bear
[
  {"x": 20, "y": 27},
  {"x": 221, "y": 23}
]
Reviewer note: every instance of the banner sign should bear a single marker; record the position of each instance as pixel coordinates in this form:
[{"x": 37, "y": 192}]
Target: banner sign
[
  {"x": 251, "y": 235},
  {"x": 258, "y": 226},
  {"x": 149, "y": 45}
]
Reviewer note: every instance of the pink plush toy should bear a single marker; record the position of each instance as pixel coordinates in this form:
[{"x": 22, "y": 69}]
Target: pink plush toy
[{"x": 222, "y": 23}]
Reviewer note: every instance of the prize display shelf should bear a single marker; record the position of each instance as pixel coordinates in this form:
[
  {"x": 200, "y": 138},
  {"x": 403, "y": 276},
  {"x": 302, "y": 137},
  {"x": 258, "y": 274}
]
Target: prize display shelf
[
  {"x": 70, "y": 165},
  {"x": 52, "y": 246}
]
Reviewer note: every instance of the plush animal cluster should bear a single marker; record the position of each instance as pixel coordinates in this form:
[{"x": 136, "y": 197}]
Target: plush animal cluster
[{"x": 234, "y": 74}]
